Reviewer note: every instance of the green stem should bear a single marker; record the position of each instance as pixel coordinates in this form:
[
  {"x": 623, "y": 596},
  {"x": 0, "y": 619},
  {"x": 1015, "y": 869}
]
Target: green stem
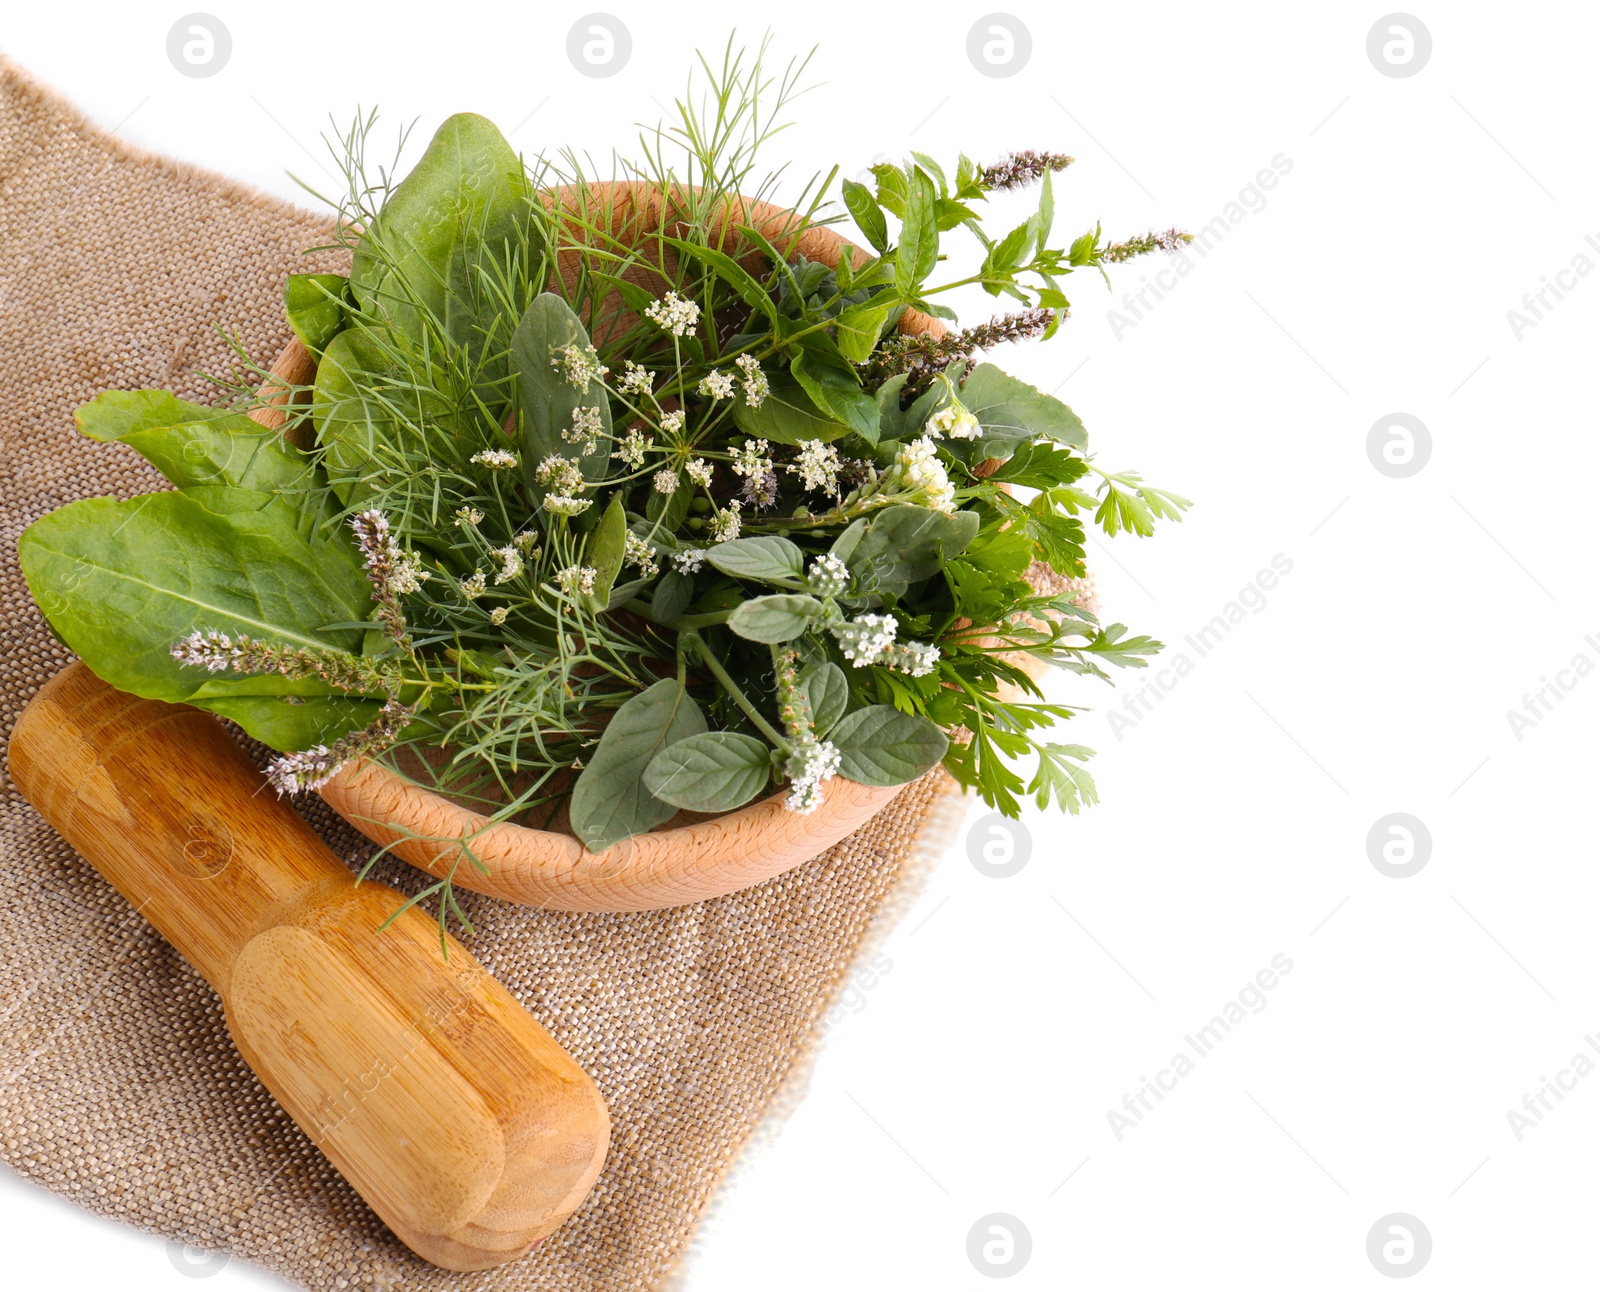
[{"x": 693, "y": 639}]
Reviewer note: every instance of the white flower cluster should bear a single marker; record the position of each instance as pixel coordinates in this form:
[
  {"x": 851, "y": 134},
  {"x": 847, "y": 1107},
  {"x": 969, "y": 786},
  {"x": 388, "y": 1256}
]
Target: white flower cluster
[
  {"x": 585, "y": 429},
  {"x": 497, "y": 616},
  {"x": 664, "y": 481},
  {"x": 689, "y": 560},
  {"x": 922, "y": 475},
  {"x": 578, "y": 365},
  {"x": 211, "y": 650},
  {"x": 510, "y": 563},
  {"x": 632, "y": 447},
  {"x": 636, "y": 379},
  {"x": 916, "y": 658},
  {"x": 829, "y": 576},
  {"x": 808, "y": 767},
  {"x": 866, "y": 637},
  {"x": 817, "y": 466},
  {"x": 474, "y": 585},
  {"x": 699, "y": 470},
  {"x": 955, "y": 421},
  {"x": 756, "y": 388},
  {"x": 672, "y": 423},
  {"x": 468, "y": 517},
  {"x": 528, "y": 541},
  {"x": 635, "y": 551},
  {"x": 562, "y": 505},
  {"x": 560, "y": 475},
  {"x": 495, "y": 459},
  {"x": 673, "y": 314},
  {"x": 406, "y": 574},
  {"x": 577, "y": 580},
  {"x": 751, "y": 459},
  {"x": 725, "y": 523},
  {"x": 717, "y": 385}
]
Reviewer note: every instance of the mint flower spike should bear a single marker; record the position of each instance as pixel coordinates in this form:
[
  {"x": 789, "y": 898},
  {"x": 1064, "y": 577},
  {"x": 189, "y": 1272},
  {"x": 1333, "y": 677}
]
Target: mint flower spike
[
  {"x": 811, "y": 762},
  {"x": 311, "y": 769}
]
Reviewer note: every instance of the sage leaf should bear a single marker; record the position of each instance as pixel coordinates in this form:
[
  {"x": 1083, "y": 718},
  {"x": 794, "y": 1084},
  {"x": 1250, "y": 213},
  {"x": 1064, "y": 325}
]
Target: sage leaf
[
  {"x": 774, "y": 619},
  {"x": 609, "y": 800},
  {"x": 316, "y": 306},
  {"x": 902, "y": 545},
  {"x": 879, "y": 745},
  {"x": 768, "y": 559},
  {"x": 545, "y": 399},
  {"x": 1012, "y": 412},
  {"x": 714, "y": 772},
  {"x": 462, "y": 214},
  {"x": 606, "y": 550},
  {"x": 828, "y": 691}
]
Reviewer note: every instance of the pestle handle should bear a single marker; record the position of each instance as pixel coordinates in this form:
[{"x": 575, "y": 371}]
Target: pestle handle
[{"x": 459, "y": 1119}]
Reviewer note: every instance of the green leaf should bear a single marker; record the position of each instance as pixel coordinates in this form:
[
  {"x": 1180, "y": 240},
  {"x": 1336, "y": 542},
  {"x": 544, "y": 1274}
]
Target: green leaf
[
  {"x": 1060, "y": 775},
  {"x": 122, "y": 582},
  {"x": 714, "y": 772},
  {"x": 461, "y": 214},
  {"x": 1040, "y": 466},
  {"x": 766, "y": 559},
  {"x": 787, "y": 416},
  {"x": 879, "y": 745},
  {"x": 672, "y": 596},
  {"x": 834, "y": 388},
  {"x": 891, "y": 188},
  {"x": 609, "y": 800},
  {"x": 354, "y": 425},
  {"x": 860, "y": 326},
  {"x": 904, "y": 544},
  {"x": 828, "y": 691},
  {"x": 315, "y": 305},
  {"x": 731, "y": 272},
  {"x": 545, "y": 399},
  {"x": 119, "y": 413},
  {"x": 775, "y": 619},
  {"x": 867, "y": 214},
  {"x": 607, "y": 546},
  {"x": 918, "y": 252},
  {"x": 289, "y": 722},
  {"x": 1012, "y": 412}
]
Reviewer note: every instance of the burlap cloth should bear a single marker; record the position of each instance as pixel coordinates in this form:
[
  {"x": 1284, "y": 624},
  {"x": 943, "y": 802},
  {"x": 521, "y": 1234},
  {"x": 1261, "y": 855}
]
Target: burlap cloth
[{"x": 119, "y": 1087}]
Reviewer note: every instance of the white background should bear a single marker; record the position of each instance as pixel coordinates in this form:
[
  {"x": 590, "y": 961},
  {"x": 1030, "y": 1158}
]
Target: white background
[{"x": 976, "y": 1075}]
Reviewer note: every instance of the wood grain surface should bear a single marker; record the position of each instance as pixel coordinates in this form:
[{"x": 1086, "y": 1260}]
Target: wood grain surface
[{"x": 459, "y": 1119}]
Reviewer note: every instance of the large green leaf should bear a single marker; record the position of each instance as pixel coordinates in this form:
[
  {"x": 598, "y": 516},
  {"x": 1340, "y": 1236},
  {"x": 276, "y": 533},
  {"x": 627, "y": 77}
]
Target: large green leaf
[
  {"x": 834, "y": 388},
  {"x": 787, "y": 416},
  {"x": 919, "y": 236},
  {"x": 774, "y": 619},
  {"x": 766, "y": 559},
  {"x": 713, "y": 772},
  {"x": 119, "y": 413},
  {"x": 902, "y": 545},
  {"x": 545, "y": 399},
  {"x": 462, "y": 213},
  {"x": 609, "y": 800},
  {"x": 121, "y": 582},
  {"x": 1012, "y": 412},
  {"x": 879, "y": 745},
  {"x": 828, "y": 691},
  {"x": 316, "y": 306},
  {"x": 867, "y": 214}
]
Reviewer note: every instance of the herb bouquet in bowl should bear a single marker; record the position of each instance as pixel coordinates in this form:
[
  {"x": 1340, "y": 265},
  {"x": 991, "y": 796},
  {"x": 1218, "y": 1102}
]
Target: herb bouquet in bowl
[{"x": 612, "y": 545}]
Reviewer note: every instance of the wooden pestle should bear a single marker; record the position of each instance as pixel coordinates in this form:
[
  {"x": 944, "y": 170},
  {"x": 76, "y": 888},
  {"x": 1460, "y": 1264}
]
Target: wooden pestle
[{"x": 459, "y": 1119}]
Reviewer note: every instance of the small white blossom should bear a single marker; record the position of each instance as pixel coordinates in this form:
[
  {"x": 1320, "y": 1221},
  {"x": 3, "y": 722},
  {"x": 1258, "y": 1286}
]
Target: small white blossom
[
  {"x": 672, "y": 423},
  {"x": 559, "y": 505},
  {"x": 577, "y": 580},
  {"x": 474, "y": 586},
  {"x": 496, "y": 459},
  {"x": 756, "y": 388},
  {"x": 636, "y": 379},
  {"x": 674, "y": 314},
  {"x": 717, "y": 385},
  {"x": 923, "y": 476},
  {"x": 468, "y": 517},
  {"x": 818, "y": 466},
  {"x": 510, "y": 563},
  {"x": 560, "y": 475},
  {"x": 585, "y": 428},
  {"x": 751, "y": 459},
  {"x": 916, "y": 658},
  {"x": 578, "y": 365},
  {"x": 211, "y": 650},
  {"x": 811, "y": 764},
  {"x": 689, "y": 560},
  {"x": 955, "y": 421},
  {"x": 829, "y": 576},
  {"x": 406, "y": 574},
  {"x": 725, "y": 523},
  {"x": 635, "y": 551},
  {"x": 632, "y": 447},
  {"x": 866, "y": 637},
  {"x": 664, "y": 481},
  {"x": 528, "y": 541},
  {"x": 498, "y": 614},
  {"x": 699, "y": 470}
]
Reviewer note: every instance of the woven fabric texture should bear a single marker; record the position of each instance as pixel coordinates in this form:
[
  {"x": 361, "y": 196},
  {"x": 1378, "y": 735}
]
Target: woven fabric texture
[{"x": 119, "y": 1087}]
